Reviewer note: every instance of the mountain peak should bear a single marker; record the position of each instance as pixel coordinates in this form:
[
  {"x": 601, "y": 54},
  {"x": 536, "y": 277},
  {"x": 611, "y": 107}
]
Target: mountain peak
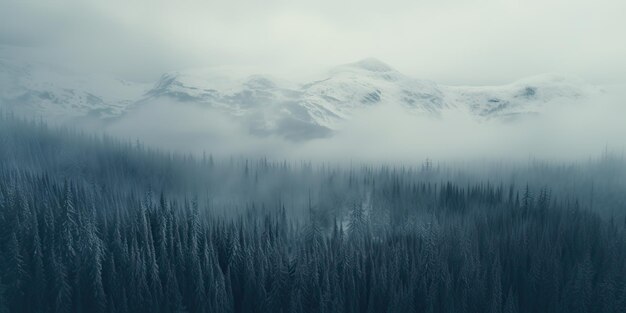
[
  {"x": 369, "y": 65},
  {"x": 373, "y": 65}
]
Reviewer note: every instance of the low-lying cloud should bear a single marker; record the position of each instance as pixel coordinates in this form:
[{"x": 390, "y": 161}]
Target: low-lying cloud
[{"x": 564, "y": 131}]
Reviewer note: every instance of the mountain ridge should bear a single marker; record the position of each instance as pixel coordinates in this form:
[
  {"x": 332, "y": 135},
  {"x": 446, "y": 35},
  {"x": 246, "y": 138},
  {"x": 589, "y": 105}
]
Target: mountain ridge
[{"x": 270, "y": 106}]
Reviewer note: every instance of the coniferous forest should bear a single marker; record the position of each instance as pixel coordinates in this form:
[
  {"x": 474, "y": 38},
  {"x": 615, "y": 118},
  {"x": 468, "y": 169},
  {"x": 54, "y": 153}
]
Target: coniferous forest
[{"x": 90, "y": 223}]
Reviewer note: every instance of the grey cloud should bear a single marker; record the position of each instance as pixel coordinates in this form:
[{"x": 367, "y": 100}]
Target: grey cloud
[{"x": 453, "y": 41}]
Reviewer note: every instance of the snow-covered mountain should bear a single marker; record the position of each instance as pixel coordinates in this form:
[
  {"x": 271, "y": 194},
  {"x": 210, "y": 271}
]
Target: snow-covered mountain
[
  {"x": 528, "y": 96},
  {"x": 45, "y": 91},
  {"x": 310, "y": 110},
  {"x": 269, "y": 106},
  {"x": 364, "y": 84}
]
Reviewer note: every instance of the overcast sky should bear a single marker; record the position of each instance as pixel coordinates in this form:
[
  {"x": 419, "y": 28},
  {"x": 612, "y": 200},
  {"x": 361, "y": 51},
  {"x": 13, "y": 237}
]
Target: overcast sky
[{"x": 448, "y": 41}]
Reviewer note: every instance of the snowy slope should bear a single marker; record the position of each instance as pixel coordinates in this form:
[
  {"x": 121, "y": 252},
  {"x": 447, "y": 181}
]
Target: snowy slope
[
  {"x": 368, "y": 83},
  {"x": 524, "y": 97},
  {"x": 59, "y": 95},
  {"x": 263, "y": 104},
  {"x": 269, "y": 106}
]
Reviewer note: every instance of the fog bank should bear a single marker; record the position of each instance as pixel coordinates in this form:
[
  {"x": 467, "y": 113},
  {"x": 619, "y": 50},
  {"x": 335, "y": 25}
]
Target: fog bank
[{"x": 563, "y": 131}]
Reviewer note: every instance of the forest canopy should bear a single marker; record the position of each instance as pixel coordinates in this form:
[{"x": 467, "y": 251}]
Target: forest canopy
[{"x": 89, "y": 223}]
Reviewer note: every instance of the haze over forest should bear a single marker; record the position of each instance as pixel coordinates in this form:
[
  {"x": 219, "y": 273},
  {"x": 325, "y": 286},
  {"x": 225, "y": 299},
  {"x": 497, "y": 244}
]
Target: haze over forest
[{"x": 312, "y": 156}]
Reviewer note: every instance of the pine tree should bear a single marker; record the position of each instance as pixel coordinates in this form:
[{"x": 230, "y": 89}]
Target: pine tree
[
  {"x": 92, "y": 263},
  {"x": 68, "y": 229},
  {"x": 510, "y": 303},
  {"x": 357, "y": 226},
  {"x": 3, "y": 301},
  {"x": 527, "y": 200},
  {"x": 15, "y": 273},
  {"x": 496, "y": 287},
  {"x": 63, "y": 292},
  {"x": 37, "y": 285}
]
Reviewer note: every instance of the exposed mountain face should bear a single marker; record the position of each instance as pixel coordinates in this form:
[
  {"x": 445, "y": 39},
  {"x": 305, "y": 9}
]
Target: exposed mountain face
[
  {"x": 265, "y": 105},
  {"x": 368, "y": 83},
  {"x": 269, "y": 106},
  {"x": 303, "y": 111}
]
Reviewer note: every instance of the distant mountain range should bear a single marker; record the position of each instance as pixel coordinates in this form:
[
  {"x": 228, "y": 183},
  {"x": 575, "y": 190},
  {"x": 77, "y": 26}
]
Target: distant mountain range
[{"x": 269, "y": 106}]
